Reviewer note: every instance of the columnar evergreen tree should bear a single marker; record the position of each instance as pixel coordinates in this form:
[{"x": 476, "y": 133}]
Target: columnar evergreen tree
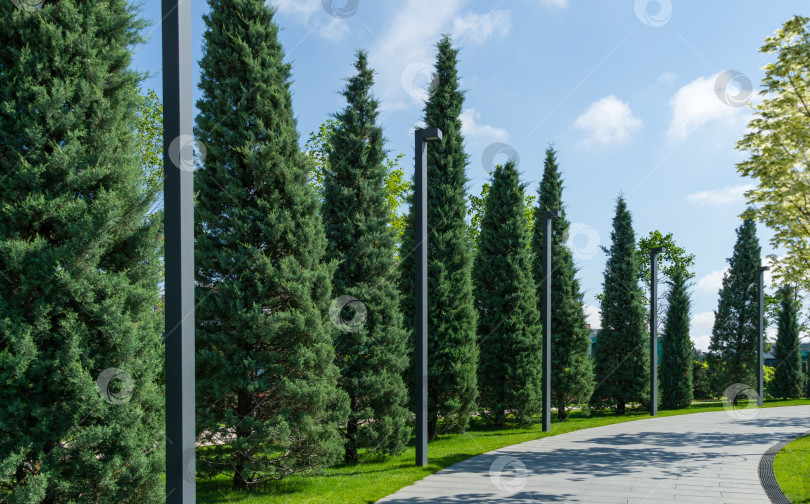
[
  {"x": 788, "y": 377},
  {"x": 356, "y": 214},
  {"x": 571, "y": 365},
  {"x": 677, "y": 352},
  {"x": 621, "y": 363},
  {"x": 452, "y": 365},
  {"x": 80, "y": 336},
  {"x": 265, "y": 372},
  {"x": 509, "y": 327},
  {"x": 734, "y": 335}
]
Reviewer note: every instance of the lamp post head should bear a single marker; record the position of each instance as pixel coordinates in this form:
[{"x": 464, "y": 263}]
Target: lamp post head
[
  {"x": 552, "y": 214},
  {"x": 430, "y": 134},
  {"x": 656, "y": 250},
  {"x": 762, "y": 269}
]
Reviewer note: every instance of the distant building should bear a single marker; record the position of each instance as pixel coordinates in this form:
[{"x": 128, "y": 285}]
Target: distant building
[{"x": 804, "y": 348}]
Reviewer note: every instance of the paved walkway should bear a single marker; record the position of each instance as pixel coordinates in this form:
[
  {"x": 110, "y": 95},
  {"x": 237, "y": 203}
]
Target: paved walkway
[{"x": 696, "y": 458}]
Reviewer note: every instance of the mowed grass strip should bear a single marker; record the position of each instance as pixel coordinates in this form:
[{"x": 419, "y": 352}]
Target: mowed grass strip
[
  {"x": 792, "y": 469},
  {"x": 374, "y": 478}
]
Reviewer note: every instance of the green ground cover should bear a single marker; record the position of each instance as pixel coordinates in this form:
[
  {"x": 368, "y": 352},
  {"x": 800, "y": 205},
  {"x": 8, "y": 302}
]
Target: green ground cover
[
  {"x": 374, "y": 478},
  {"x": 792, "y": 469}
]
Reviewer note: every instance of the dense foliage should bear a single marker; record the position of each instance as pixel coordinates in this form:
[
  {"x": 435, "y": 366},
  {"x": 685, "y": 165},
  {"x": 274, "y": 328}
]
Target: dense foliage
[
  {"x": 80, "y": 333},
  {"x": 371, "y": 353},
  {"x": 266, "y": 380}
]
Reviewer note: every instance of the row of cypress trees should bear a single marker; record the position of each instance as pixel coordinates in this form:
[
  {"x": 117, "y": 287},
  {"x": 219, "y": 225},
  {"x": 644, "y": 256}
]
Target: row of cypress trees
[{"x": 288, "y": 388}]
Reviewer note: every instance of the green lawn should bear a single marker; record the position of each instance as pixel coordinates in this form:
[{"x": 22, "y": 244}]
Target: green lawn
[
  {"x": 792, "y": 469},
  {"x": 373, "y": 479}
]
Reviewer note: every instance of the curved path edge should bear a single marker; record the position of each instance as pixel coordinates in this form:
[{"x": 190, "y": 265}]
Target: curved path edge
[{"x": 766, "y": 475}]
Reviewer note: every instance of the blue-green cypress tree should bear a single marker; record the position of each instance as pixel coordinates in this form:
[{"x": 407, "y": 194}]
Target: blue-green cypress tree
[
  {"x": 453, "y": 352},
  {"x": 571, "y": 365},
  {"x": 621, "y": 363},
  {"x": 372, "y": 355},
  {"x": 266, "y": 378},
  {"x": 80, "y": 333},
  {"x": 509, "y": 327},
  {"x": 677, "y": 352},
  {"x": 788, "y": 378},
  {"x": 735, "y": 336}
]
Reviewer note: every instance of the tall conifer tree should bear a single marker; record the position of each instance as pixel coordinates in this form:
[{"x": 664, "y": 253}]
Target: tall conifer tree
[
  {"x": 371, "y": 356},
  {"x": 621, "y": 362},
  {"x": 265, "y": 371},
  {"x": 509, "y": 327},
  {"x": 80, "y": 333},
  {"x": 788, "y": 378},
  {"x": 452, "y": 321},
  {"x": 677, "y": 352},
  {"x": 735, "y": 335},
  {"x": 571, "y": 365}
]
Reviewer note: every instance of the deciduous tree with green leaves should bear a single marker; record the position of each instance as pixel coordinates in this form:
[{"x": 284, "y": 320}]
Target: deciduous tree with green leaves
[
  {"x": 672, "y": 258},
  {"x": 620, "y": 359},
  {"x": 571, "y": 365},
  {"x": 372, "y": 356},
  {"x": 266, "y": 378},
  {"x": 777, "y": 143}
]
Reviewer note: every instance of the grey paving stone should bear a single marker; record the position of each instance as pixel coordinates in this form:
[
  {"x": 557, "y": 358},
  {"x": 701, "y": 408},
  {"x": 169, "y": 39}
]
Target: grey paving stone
[{"x": 697, "y": 458}]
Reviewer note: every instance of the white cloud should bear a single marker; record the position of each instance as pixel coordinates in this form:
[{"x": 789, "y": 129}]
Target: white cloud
[
  {"x": 667, "y": 78},
  {"x": 608, "y": 121},
  {"x": 478, "y": 28},
  {"x": 560, "y": 4},
  {"x": 474, "y": 130},
  {"x": 721, "y": 196},
  {"x": 409, "y": 38},
  {"x": 711, "y": 282},
  {"x": 696, "y": 104},
  {"x": 303, "y": 11},
  {"x": 701, "y": 329},
  {"x": 593, "y": 316},
  {"x": 335, "y": 30}
]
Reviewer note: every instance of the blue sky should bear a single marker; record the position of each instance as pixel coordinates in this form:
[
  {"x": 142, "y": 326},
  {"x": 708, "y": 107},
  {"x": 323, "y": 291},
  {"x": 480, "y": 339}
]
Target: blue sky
[{"x": 624, "y": 89}]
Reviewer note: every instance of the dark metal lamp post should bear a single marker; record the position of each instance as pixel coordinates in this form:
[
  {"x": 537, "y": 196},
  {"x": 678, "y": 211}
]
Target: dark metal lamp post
[
  {"x": 548, "y": 216},
  {"x": 761, "y": 337},
  {"x": 654, "y": 330},
  {"x": 422, "y": 137},
  {"x": 179, "y": 252}
]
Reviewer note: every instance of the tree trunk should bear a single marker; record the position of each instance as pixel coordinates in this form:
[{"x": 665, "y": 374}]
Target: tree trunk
[
  {"x": 243, "y": 409},
  {"x": 432, "y": 422},
  {"x": 620, "y": 408},
  {"x": 350, "y": 456}
]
